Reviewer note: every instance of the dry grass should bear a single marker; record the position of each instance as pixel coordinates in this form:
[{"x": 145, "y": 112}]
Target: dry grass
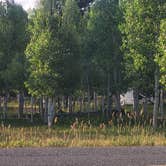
[{"x": 80, "y": 134}]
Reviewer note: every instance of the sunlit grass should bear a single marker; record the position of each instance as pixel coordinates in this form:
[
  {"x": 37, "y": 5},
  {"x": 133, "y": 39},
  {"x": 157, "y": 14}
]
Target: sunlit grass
[
  {"x": 71, "y": 132},
  {"x": 80, "y": 134}
]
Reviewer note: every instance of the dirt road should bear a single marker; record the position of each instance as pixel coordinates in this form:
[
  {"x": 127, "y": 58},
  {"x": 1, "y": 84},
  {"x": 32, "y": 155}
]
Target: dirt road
[{"x": 115, "y": 156}]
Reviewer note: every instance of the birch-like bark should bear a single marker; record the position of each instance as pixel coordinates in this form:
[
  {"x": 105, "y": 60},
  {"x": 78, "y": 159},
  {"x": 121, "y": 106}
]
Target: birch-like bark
[
  {"x": 162, "y": 103},
  {"x": 63, "y": 103},
  {"x": 51, "y": 112},
  {"x": 156, "y": 98}
]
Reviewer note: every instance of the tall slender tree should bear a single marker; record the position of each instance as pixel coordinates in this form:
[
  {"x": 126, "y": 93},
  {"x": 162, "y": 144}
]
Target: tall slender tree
[
  {"x": 105, "y": 41},
  {"x": 141, "y": 30},
  {"x": 13, "y": 42}
]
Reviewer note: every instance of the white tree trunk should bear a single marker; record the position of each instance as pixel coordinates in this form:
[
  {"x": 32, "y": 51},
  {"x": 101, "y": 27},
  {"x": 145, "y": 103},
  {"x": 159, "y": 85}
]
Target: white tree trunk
[
  {"x": 156, "y": 98},
  {"x": 51, "y": 112},
  {"x": 63, "y": 103},
  {"x": 162, "y": 103}
]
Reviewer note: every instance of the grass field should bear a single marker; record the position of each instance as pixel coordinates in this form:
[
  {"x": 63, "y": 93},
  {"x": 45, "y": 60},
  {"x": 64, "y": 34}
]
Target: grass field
[{"x": 78, "y": 134}]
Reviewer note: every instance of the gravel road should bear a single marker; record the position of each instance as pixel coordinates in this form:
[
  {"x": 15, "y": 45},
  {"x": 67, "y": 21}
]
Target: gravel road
[{"x": 114, "y": 156}]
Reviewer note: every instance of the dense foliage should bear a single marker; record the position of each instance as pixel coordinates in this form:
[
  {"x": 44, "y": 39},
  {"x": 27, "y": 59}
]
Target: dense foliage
[{"x": 79, "y": 48}]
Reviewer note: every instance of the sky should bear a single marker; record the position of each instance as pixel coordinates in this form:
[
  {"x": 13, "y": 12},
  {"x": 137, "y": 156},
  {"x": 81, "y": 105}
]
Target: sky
[{"x": 27, "y": 3}]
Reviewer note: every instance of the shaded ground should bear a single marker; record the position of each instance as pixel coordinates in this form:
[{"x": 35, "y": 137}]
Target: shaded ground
[{"x": 120, "y": 156}]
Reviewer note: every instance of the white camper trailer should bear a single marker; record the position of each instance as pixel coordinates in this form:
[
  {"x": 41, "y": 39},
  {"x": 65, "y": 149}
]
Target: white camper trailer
[{"x": 127, "y": 98}]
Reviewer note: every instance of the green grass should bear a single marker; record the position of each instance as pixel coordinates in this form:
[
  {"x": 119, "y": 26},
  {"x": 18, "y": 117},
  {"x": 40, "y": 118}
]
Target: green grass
[{"x": 78, "y": 133}]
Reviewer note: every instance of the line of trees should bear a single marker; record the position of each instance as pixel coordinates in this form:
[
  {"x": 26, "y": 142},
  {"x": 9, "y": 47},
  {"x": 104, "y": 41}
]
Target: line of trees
[{"x": 70, "y": 48}]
